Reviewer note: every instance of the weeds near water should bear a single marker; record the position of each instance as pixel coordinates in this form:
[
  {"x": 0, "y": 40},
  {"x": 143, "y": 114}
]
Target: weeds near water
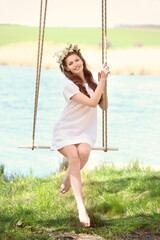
[{"x": 1, "y": 170}]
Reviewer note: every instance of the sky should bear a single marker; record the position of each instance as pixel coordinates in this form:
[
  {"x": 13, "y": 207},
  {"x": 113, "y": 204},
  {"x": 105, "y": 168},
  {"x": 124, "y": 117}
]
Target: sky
[{"x": 82, "y": 13}]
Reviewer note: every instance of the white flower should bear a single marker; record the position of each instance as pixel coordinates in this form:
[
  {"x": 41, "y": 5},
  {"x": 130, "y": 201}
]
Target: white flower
[{"x": 62, "y": 54}]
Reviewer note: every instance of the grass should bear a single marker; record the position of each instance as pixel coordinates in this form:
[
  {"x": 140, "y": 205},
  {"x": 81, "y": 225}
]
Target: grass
[
  {"x": 122, "y": 204},
  {"x": 118, "y": 37}
]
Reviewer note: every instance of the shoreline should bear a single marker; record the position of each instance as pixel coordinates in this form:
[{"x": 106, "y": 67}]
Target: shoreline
[
  {"x": 127, "y": 61},
  {"x": 91, "y": 165}
]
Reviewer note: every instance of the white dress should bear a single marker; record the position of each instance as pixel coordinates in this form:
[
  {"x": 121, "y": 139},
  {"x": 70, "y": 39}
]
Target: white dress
[{"x": 78, "y": 123}]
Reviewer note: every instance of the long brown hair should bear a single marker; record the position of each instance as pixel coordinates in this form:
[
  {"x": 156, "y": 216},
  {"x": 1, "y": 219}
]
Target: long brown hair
[{"x": 76, "y": 79}]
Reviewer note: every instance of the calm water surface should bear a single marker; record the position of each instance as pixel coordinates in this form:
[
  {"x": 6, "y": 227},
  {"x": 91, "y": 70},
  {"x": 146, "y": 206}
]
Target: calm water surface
[{"x": 133, "y": 120}]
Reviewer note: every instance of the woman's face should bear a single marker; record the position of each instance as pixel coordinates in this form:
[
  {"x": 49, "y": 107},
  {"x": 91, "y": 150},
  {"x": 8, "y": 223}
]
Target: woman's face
[{"x": 74, "y": 64}]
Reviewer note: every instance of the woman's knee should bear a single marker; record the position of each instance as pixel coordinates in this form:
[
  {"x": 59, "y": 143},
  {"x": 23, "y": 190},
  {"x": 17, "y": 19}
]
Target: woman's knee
[
  {"x": 70, "y": 152},
  {"x": 84, "y": 150},
  {"x": 74, "y": 157}
]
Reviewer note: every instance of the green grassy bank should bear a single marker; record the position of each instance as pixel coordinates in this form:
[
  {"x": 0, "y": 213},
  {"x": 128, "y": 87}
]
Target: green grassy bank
[
  {"x": 122, "y": 204},
  {"x": 118, "y": 37}
]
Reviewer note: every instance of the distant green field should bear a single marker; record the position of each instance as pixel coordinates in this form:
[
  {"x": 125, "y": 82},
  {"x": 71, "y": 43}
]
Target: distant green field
[{"x": 118, "y": 37}]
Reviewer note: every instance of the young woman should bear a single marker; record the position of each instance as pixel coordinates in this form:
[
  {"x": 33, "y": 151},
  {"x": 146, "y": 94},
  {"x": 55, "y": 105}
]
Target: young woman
[{"x": 75, "y": 133}]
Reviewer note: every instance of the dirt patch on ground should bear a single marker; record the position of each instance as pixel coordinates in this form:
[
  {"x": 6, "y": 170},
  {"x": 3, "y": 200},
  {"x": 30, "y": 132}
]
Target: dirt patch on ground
[
  {"x": 77, "y": 237},
  {"x": 143, "y": 234},
  {"x": 68, "y": 236},
  {"x": 139, "y": 234}
]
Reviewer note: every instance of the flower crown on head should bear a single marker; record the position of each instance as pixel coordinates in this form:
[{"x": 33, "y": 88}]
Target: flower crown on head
[{"x": 63, "y": 53}]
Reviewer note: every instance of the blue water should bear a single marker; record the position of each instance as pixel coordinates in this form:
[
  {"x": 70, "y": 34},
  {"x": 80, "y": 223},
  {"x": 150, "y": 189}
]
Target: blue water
[{"x": 133, "y": 120}]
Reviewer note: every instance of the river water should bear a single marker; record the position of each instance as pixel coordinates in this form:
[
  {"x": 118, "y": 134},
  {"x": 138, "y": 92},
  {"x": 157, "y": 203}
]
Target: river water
[{"x": 133, "y": 120}]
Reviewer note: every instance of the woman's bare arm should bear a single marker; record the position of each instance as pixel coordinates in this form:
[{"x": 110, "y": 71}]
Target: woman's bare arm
[
  {"x": 95, "y": 98},
  {"x": 101, "y": 105},
  {"x": 93, "y": 101}
]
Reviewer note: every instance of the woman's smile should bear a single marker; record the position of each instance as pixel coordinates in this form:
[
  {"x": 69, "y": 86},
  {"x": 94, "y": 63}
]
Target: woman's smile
[{"x": 77, "y": 68}]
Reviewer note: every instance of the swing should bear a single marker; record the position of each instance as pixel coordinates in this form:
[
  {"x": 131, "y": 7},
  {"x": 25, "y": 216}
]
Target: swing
[{"x": 104, "y": 146}]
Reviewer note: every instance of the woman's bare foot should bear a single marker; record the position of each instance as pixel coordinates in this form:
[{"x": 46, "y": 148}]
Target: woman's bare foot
[
  {"x": 66, "y": 185},
  {"x": 83, "y": 217}
]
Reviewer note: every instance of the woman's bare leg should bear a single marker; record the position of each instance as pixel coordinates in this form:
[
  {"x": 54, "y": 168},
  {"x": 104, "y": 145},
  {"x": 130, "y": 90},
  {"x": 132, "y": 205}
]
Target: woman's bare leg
[
  {"x": 84, "y": 152},
  {"x": 71, "y": 153}
]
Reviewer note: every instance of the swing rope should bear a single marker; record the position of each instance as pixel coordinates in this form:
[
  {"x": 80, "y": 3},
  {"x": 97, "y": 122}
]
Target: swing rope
[
  {"x": 103, "y": 127},
  {"x": 105, "y": 44},
  {"x": 105, "y": 26},
  {"x": 39, "y": 65},
  {"x": 104, "y": 58}
]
